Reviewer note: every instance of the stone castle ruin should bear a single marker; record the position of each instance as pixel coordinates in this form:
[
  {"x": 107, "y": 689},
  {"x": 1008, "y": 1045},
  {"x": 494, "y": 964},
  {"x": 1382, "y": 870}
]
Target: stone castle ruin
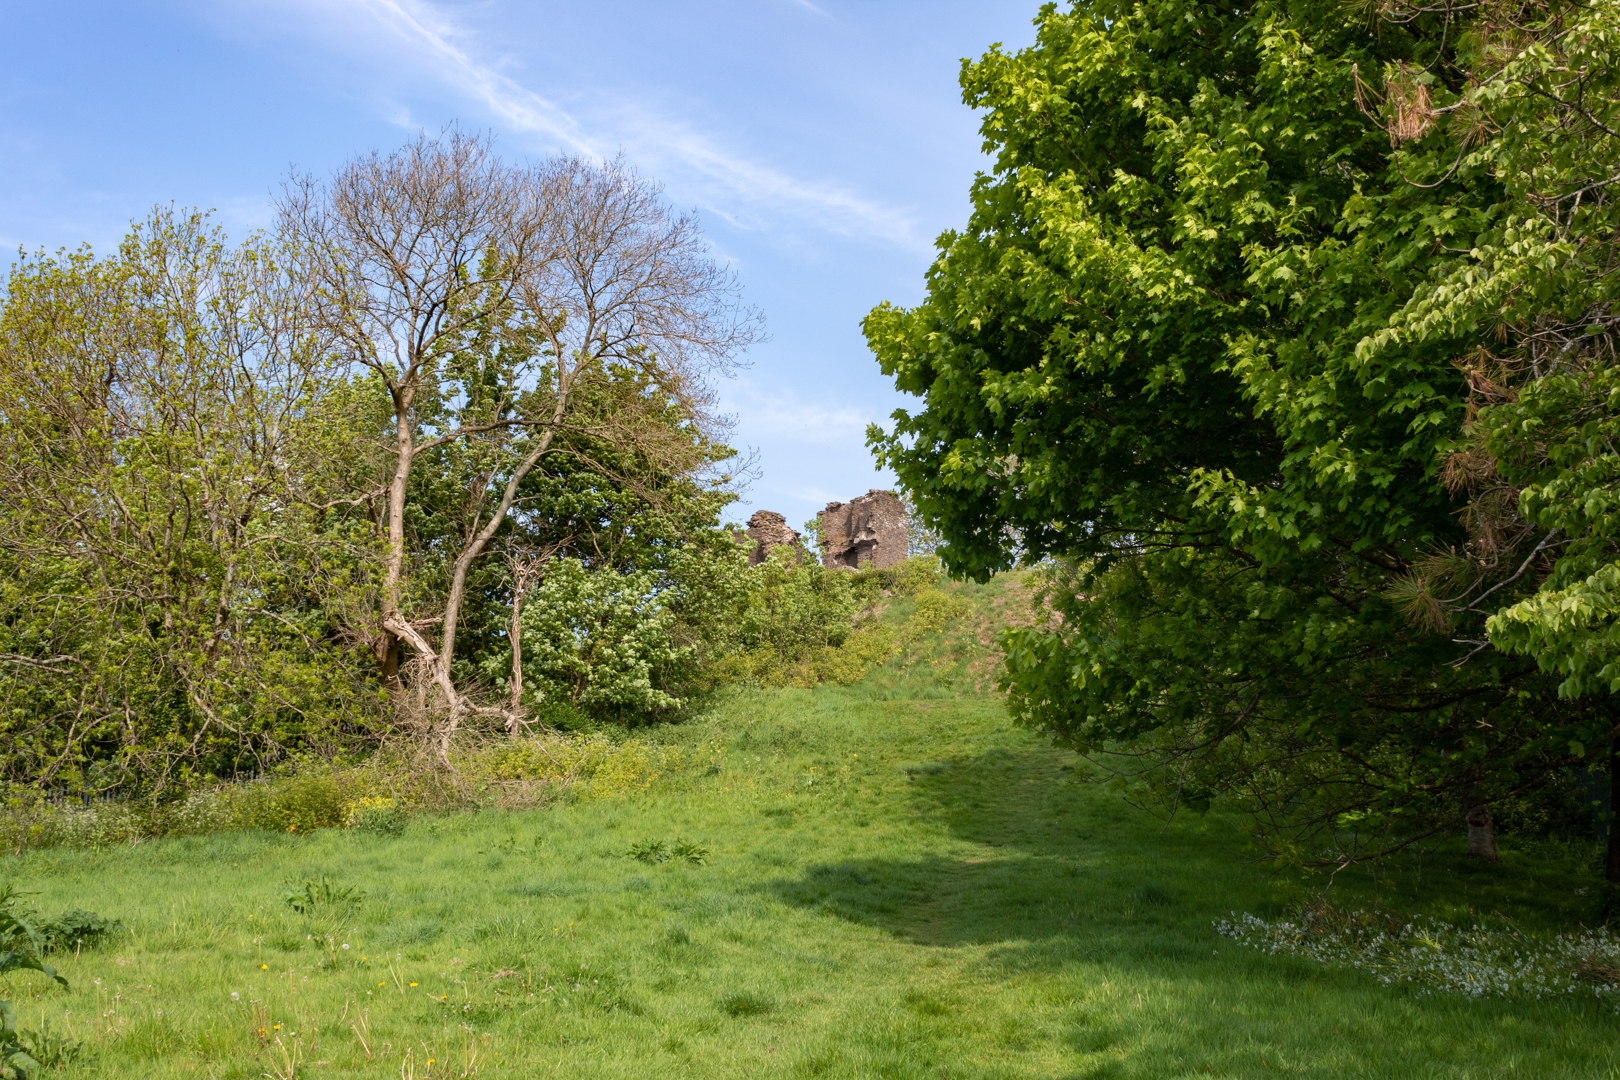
[
  {"x": 869, "y": 530},
  {"x": 768, "y": 530}
]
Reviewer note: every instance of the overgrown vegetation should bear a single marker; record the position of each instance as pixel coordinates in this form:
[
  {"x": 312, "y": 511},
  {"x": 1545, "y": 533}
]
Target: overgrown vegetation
[
  {"x": 796, "y": 624},
  {"x": 149, "y": 670},
  {"x": 273, "y": 507},
  {"x": 233, "y": 510},
  {"x": 380, "y": 556}
]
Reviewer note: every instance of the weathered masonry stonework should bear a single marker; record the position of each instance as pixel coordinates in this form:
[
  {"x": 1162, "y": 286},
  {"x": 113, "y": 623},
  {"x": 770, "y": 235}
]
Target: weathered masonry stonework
[
  {"x": 768, "y": 530},
  {"x": 869, "y": 530}
]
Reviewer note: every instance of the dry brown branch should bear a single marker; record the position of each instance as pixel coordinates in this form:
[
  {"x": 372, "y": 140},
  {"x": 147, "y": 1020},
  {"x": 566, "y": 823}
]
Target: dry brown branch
[
  {"x": 525, "y": 566},
  {"x": 1411, "y": 107}
]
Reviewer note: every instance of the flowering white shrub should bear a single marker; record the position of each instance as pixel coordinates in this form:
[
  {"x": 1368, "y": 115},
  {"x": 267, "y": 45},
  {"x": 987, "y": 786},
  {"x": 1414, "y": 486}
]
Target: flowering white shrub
[
  {"x": 597, "y": 638},
  {"x": 1479, "y": 960}
]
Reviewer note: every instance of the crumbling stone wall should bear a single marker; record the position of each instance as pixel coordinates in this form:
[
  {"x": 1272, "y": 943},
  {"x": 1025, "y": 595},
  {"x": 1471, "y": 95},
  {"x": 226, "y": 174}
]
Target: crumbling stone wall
[
  {"x": 869, "y": 530},
  {"x": 768, "y": 530}
]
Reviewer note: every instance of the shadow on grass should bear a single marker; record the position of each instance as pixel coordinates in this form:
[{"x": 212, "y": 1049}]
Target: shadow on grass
[
  {"x": 1062, "y": 861},
  {"x": 1029, "y": 800},
  {"x": 945, "y": 902},
  {"x": 1066, "y": 887},
  {"x": 1059, "y": 872}
]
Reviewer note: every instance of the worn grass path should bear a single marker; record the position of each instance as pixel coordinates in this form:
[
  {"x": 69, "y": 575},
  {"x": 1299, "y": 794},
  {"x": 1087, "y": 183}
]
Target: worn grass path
[{"x": 898, "y": 885}]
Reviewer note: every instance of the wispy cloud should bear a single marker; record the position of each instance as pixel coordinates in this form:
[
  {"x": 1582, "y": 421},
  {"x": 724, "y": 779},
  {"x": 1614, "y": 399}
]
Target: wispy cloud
[
  {"x": 246, "y": 212},
  {"x": 789, "y": 417},
  {"x": 745, "y": 191},
  {"x": 808, "y": 6},
  {"x": 425, "y": 28},
  {"x": 828, "y": 205}
]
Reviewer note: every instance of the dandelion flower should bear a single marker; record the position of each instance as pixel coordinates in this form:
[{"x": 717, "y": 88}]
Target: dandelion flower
[
  {"x": 264, "y": 967},
  {"x": 345, "y": 944},
  {"x": 413, "y": 984}
]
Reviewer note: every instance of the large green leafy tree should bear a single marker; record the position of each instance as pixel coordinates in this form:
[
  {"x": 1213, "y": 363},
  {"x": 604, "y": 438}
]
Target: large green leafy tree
[{"x": 1162, "y": 353}]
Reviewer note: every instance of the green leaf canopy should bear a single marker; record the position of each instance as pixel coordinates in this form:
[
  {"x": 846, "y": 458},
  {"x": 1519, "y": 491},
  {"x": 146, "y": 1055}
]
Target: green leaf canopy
[{"x": 1174, "y": 348}]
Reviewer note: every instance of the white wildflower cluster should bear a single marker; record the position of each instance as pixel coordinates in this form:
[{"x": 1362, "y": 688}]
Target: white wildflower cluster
[
  {"x": 70, "y": 827},
  {"x": 1478, "y": 960}
]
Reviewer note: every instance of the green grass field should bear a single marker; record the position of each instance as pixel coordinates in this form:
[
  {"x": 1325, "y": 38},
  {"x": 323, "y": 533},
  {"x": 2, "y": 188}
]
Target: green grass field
[{"x": 897, "y": 884}]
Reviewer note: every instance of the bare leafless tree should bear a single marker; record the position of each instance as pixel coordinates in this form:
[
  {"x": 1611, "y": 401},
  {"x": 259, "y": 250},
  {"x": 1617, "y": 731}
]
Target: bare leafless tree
[
  {"x": 420, "y": 249},
  {"x": 410, "y": 250}
]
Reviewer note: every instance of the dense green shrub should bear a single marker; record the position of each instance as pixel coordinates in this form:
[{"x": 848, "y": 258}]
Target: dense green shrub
[
  {"x": 798, "y": 623},
  {"x": 566, "y": 716},
  {"x": 605, "y": 650},
  {"x": 318, "y": 799},
  {"x": 803, "y": 624},
  {"x": 1561, "y": 809}
]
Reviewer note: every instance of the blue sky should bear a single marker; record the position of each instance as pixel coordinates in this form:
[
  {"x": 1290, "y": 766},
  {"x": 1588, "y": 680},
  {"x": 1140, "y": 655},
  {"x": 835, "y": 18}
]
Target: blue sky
[{"x": 823, "y": 144}]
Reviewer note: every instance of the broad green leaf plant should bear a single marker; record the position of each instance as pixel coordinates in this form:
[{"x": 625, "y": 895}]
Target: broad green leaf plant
[{"x": 21, "y": 949}]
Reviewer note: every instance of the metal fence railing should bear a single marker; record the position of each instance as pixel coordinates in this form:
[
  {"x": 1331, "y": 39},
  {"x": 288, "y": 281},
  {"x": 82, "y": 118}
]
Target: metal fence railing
[{"x": 62, "y": 798}]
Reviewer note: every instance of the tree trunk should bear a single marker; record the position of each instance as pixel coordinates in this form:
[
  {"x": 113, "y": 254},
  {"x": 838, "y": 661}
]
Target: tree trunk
[
  {"x": 388, "y": 650},
  {"x": 1481, "y": 834},
  {"x": 394, "y": 556},
  {"x": 516, "y": 636},
  {"x": 475, "y": 546},
  {"x": 1611, "y": 864}
]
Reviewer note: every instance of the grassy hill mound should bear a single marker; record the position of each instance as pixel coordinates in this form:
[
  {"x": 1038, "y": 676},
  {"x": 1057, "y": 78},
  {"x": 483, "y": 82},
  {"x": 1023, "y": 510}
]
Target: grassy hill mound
[{"x": 883, "y": 879}]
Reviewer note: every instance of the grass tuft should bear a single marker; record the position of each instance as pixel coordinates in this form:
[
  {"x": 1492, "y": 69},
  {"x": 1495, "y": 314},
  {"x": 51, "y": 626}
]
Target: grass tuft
[{"x": 746, "y": 1003}]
